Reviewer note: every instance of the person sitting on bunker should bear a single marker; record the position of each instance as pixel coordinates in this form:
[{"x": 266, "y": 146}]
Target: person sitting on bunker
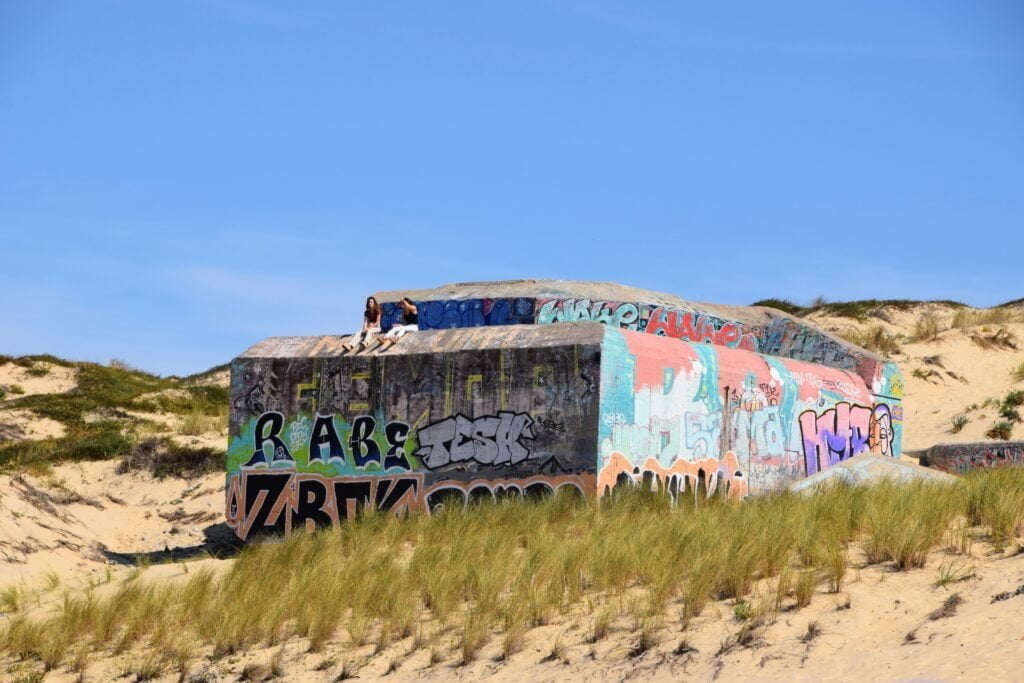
[
  {"x": 410, "y": 321},
  {"x": 371, "y": 325}
]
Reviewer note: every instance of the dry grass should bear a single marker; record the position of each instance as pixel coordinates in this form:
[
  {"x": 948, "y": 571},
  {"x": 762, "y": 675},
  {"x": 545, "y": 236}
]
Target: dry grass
[
  {"x": 990, "y": 341},
  {"x": 875, "y": 338},
  {"x": 926, "y": 328},
  {"x": 494, "y": 571},
  {"x": 965, "y": 318},
  {"x": 957, "y": 423}
]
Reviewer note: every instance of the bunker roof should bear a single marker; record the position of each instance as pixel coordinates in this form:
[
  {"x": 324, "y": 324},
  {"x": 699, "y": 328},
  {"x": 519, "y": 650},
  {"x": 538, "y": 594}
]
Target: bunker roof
[
  {"x": 578, "y": 289},
  {"x": 437, "y": 341}
]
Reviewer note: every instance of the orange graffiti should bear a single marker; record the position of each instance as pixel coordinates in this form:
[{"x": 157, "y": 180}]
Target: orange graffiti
[{"x": 687, "y": 472}]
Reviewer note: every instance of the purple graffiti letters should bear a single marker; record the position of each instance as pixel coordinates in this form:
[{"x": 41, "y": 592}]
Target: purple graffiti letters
[{"x": 843, "y": 432}]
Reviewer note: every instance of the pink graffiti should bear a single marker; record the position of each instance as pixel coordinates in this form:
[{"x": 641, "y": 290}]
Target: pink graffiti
[{"x": 689, "y": 326}]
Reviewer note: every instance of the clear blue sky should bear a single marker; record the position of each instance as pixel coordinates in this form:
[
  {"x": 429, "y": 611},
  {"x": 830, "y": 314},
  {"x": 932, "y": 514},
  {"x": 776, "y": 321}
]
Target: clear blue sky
[{"x": 180, "y": 179}]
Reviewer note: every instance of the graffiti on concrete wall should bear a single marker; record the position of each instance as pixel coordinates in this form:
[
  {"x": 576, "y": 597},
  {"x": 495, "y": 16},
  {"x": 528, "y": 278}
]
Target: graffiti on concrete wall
[
  {"x": 963, "y": 458},
  {"x": 439, "y": 421},
  {"x": 666, "y": 322},
  {"x": 841, "y": 432},
  {"x": 616, "y": 314},
  {"x": 782, "y": 337},
  {"x": 279, "y": 502},
  {"x": 442, "y": 315},
  {"x": 681, "y": 478},
  {"x": 488, "y": 440},
  {"x": 730, "y": 421},
  {"x": 695, "y": 327}
]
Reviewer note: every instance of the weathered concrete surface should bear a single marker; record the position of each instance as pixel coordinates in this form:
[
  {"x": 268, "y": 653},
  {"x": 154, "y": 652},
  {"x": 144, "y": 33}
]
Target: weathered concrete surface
[
  {"x": 500, "y": 403},
  {"x": 541, "y": 302},
  {"x": 432, "y": 341},
  {"x": 870, "y": 468},
  {"x": 961, "y": 458}
]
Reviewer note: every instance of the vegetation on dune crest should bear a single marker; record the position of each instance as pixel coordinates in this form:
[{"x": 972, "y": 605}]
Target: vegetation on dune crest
[
  {"x": 858, "y": 310},
  {"x": 93, "y": 412},
  {"x": 874, "y": 339},
  {"x": 488, "y": 573}
]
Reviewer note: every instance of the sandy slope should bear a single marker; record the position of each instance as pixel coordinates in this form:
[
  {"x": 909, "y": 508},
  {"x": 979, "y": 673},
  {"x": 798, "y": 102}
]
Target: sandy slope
[
  {"x": 82, "y": 519},
  {"x": 85, "y": 516},
  {"x": 57, "y": 379},
  {"x": 963, "y": 373}
]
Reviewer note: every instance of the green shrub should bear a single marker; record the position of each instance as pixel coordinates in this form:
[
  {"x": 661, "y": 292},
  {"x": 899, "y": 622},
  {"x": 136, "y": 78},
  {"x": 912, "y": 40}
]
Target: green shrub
[
  {"x": 192, "y": 424},
  {"x": 958, "y": 422},
  {"x": 1008, "y": 412},
  {"x": 163, "y": 457},
  {"x": 784, "y": 305},
  {"x": 1000, "y": 430},
  {"x": 1018, "y": 373}
]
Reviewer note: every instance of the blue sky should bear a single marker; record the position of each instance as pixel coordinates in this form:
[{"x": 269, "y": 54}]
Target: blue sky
[{"x": 180, "y": 179}]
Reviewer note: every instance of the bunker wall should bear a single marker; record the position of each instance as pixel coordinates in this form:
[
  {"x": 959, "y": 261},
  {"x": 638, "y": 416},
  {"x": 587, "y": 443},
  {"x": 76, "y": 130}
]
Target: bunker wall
[
  {"x": 313, "y": 440},
  {"x": 687, "y": 416},
  {"x": 961, "y": 458}
]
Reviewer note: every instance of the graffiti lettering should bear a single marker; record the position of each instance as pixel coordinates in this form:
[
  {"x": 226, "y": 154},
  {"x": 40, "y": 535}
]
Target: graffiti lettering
[
  {"x": 759, "y": 432},
  {"x": 680, "y": 476},
  {"x": 280, "y": 502},
  {"x": 622, "y": 315},
  {"x": 438, "y": 315},
  {"x": 690, "y": 326},
  {"x": 325, "y": 444},
  {"x": 324, "y": 434},
  {"x": 364, "y": 448},
  {"x": 962, "y": 458},
  {"x": 487, "y": 440},
  {"x": 844, "y": 431},
  {"x": 703, "y": 433},
  {"x": 281, "y": 454}
]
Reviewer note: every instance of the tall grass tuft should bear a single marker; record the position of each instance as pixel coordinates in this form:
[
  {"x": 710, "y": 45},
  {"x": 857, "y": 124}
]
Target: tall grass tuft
[
  {"x": 926, "y": 328},
  {"x": 957, "y": 423},
  {"x": 875, "y": 338}
]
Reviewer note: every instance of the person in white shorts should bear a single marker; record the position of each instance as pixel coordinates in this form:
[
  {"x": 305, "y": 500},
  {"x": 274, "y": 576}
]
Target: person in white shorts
[{"x": 410, "y": 322}]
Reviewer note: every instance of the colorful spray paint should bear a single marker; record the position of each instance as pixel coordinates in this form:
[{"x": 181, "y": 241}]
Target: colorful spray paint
[{"x": 492, "y": 398}]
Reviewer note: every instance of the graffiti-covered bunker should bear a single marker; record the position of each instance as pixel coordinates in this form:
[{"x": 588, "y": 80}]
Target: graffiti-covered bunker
[{"x": 526, "y": 387}]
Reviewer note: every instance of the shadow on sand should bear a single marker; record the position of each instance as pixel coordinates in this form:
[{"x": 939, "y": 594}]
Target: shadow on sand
[{"x": 221, "y": 543}]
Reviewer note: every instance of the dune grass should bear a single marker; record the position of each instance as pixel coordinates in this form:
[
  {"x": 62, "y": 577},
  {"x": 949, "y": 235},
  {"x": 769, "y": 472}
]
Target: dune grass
[
  {"x": 492, "y": 572},
  {"x": 106, "y": 392},
  {"x": 875, "y": 339}
]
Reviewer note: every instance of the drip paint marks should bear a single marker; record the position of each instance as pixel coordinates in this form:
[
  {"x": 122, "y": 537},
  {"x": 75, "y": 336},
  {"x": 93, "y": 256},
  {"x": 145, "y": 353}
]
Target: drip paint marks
[{"x": 703, "y": 417}]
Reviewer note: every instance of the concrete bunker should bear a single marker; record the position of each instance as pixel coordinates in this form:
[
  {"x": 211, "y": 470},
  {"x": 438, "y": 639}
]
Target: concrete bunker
[{"x": 524, "y": 388}]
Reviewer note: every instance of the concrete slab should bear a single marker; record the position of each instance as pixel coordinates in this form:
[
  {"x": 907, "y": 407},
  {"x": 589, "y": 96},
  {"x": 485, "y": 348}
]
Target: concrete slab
[{"x": 869, "y": 468}]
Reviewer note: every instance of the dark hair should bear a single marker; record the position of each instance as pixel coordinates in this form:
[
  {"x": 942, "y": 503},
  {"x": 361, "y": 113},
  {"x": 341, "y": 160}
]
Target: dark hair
[
  {"x": 407, "y": 300},
  {"x": 369, "y": 310}
]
